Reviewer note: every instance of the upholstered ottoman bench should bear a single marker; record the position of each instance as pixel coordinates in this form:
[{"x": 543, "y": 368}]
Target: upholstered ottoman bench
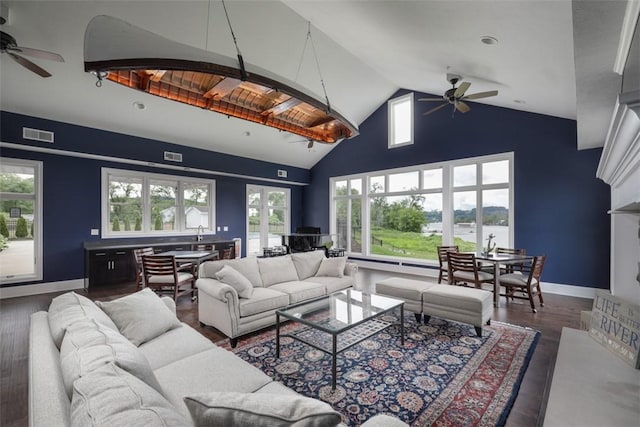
[
  {"x": 408, "y": 290},
  {"x": 466, "y": 305}
]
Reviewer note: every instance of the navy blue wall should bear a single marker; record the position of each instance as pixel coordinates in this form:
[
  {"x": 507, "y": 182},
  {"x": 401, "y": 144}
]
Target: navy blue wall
[
  {"x": 560, "y": 206},
  {"x": 72, "y": 185}
]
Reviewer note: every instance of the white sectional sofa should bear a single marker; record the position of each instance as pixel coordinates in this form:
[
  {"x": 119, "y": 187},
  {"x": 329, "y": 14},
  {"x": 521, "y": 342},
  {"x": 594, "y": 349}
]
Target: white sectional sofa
[
  {"x": 131, "y": 362},
  {"x": 236, "y": 309}
]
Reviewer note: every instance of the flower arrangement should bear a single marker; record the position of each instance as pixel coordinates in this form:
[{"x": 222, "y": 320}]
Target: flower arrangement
[{"x": 490, "y": 246}]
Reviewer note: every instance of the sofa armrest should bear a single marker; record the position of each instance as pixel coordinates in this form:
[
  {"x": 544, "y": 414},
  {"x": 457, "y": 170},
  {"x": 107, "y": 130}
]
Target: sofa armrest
[
  {"x": 350, "y": 269},
  {"x": 218, "y": 290}
]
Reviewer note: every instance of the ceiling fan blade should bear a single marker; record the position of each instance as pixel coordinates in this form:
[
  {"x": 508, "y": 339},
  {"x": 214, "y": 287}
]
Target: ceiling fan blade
[
  {"x": 462, "y": 107},
  {"x": 29, "y": 65},
  {"x": 481, "y": 95},
  {"x": 459, "y": 93},
  {"x": 36, "y": 53},
  {"x": 430, "y": 99},
  {"x": 436, "y": 109}
]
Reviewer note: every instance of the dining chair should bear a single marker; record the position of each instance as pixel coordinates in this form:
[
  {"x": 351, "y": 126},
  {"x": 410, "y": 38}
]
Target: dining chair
[
  {"x": 463, "y": 268},
  {"x": 442, "y": 259},
  {"x": 526, "y": 282},
  {"x": 226, "y": 253},
  {"x": 137, "y": 259},
  {"x": 205, "y": 247},
  {"x": 510, "y": 268},
  {"x": 162, "y": 274}
]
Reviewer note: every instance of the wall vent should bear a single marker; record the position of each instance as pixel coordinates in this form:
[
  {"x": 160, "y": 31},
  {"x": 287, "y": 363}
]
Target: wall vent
[
  {"x": 282, "y": 173},
  {"x": 37, "y": 135},
  {"x": 173, "y": 157}
]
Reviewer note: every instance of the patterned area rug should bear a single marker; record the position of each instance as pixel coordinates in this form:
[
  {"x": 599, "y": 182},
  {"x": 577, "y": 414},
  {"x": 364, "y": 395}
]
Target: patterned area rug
[{"x": 445, "y": 375}]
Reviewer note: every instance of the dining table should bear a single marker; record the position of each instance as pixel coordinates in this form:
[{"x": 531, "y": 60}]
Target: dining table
[
  {"x": 196, "y": 257},
  {"x": 497, "y": 260}
]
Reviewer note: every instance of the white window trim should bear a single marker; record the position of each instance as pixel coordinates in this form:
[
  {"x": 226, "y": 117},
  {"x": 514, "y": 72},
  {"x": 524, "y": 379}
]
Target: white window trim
[
  {"x": 447, "y": 199},
  {"x": 38, "y": 212},
  {"x": 146, "y": 200},
  {"x": 264, "y": 207},
  {"x": 390, "y": 120}
]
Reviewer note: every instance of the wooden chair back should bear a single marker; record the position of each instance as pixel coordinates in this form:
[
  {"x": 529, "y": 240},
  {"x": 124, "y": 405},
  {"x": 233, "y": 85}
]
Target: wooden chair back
[
  {"x": 462, "y": 261},
  {"x": 137, "y": 259},
  {"x": 526, "y": 284},
  {"x": 510, "y": 268},
  {"x": 226, "y": 253},
  {"x": 463, "y": 268},
  {"x": 442, "y": 260},
  {"x": 162, "y": 274}
]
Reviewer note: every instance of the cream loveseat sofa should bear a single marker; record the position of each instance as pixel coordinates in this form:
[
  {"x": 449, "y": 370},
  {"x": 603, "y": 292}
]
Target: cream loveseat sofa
[
  {"x": 132, "y": 362},
  {"x": 237, "y": 304}
]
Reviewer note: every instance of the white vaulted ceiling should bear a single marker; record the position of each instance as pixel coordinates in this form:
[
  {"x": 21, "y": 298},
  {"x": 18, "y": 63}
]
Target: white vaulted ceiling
[{"x": 366, "y": 51}]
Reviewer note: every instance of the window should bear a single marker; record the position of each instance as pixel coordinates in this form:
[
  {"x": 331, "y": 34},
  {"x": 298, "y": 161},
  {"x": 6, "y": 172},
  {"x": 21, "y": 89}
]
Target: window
[
  {"x": 268, "y": 217},
  {"x": 144, "y": 204},
  {"x": 20, "y": 220},
  {"x": 406, "y": 213},
  {"x": 400, "y": 112}
]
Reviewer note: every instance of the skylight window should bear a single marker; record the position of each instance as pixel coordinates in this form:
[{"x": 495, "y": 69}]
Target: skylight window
[{"x": 400, "y": 112}]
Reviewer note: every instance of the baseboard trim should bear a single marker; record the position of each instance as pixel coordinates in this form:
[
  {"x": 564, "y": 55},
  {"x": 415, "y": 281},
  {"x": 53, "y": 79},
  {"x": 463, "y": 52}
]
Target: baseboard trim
[
  {"x": 41, "y": 288},
  {"x": 568, "y": 290}
]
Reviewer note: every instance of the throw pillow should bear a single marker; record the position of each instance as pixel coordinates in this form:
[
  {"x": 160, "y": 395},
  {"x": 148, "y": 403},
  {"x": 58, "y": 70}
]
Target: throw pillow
[
  {"x": 259, "y": 409},
  {"x": 307, "y": 263},
  {"x": 141, "y": 316},
  {"x": 88, "y": 346},
  {"x": 277, "y": 270},
  {"x": 332, "y": 267},
  {"x": 110, "y": 396},
  {"x": 248, "y": 267},
  {"x": 236, "y": 280},
  {"x": 69, "y": 308}
]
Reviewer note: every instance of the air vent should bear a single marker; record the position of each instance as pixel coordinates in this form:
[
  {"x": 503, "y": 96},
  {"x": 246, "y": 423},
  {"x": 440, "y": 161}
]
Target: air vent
[
  {"x": 173, "y": 157},
  {"x": 282, "y": 173},
  {"x": 37, "y": 135}
]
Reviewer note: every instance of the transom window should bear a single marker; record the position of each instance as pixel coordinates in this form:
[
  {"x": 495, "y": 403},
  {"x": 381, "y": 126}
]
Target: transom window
[
  {"x": 406, "y": 213},
  {"x": 138, "y": 203},
  {"x": 400, "y": 117}
]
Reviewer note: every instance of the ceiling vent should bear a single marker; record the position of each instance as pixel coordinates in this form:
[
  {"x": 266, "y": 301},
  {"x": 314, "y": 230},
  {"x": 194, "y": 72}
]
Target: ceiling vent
[
  {"x": 37, "y": 135},
  {"x": 173, "y": 157}
]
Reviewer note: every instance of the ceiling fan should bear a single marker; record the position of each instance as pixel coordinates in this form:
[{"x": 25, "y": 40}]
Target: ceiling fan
[
  {"x": 9, "y": 46},
  {"x": 456, "y": 96},
  {"x": 309, "y": 142}
]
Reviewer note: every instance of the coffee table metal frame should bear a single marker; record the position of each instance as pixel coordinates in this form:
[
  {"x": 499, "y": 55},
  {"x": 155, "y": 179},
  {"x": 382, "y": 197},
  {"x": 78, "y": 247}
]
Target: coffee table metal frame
[{"x": 297, "y": 313}]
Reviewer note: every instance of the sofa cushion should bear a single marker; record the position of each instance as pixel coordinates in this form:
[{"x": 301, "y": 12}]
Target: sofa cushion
[
  {"x": 332, "y": 267},
  {"x": 236, "y": 280},
  {"x": 263, "y": 299},
  {"x": 213, "y": 370},
  {"x": 249, "y": 409},
  {"x": 307, "y": 263},
  {"x": 88, "y": 346},
  {"x": 110, "y": 396},
  {"x": 69, "y": 308},
  {"x": 277, "y": 270},
  {"x": 248, "y": 267},
  {"x": 333, "y": 284},
  {"x": 300, "y": 291},
  {"x": 173, "y": 345},
  {"x": 141, "y": 316}
]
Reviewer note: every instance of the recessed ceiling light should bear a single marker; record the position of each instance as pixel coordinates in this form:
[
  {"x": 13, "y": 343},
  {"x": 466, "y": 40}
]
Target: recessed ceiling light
[
  {"x": 247, "y": 133},
  {"x": 139, "y": 105},
  {"x": 489, "y": 40}
]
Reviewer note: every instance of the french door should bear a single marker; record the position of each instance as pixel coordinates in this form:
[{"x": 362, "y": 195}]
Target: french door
[{"x": 268, "y": 217}]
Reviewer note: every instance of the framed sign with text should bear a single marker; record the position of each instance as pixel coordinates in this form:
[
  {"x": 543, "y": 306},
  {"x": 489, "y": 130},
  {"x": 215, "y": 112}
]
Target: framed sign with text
[{"x": 615, "y": 323}]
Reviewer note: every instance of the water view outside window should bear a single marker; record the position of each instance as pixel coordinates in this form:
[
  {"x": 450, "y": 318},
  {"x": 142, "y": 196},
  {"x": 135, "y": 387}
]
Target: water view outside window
[
  {"x": 412, "y": 212},
  {"x": 19, "y": 234}
]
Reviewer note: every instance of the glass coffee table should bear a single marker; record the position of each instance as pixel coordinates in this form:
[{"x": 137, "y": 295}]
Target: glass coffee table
[{"x": 336, "y": 322}]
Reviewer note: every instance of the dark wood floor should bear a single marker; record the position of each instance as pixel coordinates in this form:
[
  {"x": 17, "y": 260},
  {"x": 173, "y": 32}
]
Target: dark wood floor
[{"x": 559, "y": 311}]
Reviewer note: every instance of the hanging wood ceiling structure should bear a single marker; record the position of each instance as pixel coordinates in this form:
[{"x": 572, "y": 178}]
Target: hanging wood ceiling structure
[{"x": 136, "y": 58}]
